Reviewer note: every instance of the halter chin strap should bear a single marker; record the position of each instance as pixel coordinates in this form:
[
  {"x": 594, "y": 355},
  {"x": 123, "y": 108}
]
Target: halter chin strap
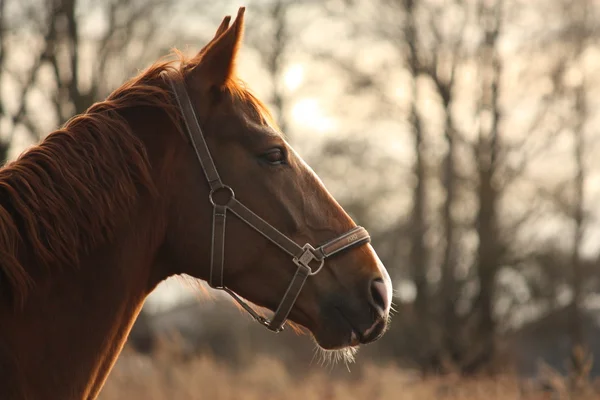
[{"x": 308, "y": 259}]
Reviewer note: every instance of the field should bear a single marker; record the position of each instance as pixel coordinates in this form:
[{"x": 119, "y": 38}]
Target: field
[{"x": 169, "y": 375}]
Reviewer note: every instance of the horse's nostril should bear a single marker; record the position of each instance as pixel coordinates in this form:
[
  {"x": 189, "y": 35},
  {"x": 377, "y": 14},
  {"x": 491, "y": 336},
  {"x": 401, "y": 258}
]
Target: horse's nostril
[{"x": 379, "y": 295}]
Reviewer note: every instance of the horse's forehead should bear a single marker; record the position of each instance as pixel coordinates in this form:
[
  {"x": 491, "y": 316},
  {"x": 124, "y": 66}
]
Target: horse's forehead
[{"x": 249, "y": 117}]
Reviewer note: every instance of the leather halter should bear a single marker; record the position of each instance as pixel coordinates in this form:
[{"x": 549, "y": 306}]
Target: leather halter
[{"x": 302, "y": 256}]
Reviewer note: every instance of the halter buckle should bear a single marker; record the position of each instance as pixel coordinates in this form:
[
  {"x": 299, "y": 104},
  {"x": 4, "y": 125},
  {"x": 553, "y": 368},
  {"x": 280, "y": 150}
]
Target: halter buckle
[
  {"x": 267, "y": 323},
  {"x": 307, "y": 256}
]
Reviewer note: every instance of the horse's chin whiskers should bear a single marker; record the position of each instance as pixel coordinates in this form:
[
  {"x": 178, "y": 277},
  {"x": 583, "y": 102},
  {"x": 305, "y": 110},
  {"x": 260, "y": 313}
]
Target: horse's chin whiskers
[{"x": 332, "y": 357}]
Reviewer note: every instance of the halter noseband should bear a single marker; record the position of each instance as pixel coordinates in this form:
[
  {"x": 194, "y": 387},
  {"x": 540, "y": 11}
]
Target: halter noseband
[{"x": 303, "y": 256}]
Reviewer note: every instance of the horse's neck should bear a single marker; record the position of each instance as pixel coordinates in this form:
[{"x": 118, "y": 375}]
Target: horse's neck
[{"x": 74, "y": 324}]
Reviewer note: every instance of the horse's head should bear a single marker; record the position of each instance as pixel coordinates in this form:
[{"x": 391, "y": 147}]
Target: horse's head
[{"x": 348, "y": 301}]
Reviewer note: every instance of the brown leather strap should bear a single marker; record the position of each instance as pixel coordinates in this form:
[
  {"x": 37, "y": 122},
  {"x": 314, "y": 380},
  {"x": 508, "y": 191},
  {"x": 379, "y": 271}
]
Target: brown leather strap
[
  {"x": 218, "y": 246},
  {"x": 264, "y": 321},
  {"x": 265, "y": 229},
  {"x": 193, "y": 129},
  {"x": 290, "y": 297},
  {"x": 354, "y": 237},
  {"x": 286, "y": 305}
]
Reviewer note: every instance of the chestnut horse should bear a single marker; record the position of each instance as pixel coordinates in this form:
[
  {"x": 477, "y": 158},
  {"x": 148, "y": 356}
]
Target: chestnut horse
[{"x": 94, "y": 217}]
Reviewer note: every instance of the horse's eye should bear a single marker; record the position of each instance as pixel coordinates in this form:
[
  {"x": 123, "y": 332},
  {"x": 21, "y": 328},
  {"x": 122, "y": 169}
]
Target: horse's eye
[{"x": 274, "y": 156}]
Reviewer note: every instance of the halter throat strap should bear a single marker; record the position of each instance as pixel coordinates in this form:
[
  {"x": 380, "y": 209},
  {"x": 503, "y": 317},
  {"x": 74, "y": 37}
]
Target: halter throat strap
[{"x": 308, "y": 259}]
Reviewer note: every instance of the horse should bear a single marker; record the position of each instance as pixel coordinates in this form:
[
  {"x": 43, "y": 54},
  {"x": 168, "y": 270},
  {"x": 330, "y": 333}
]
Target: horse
[{"x": 179, "y": 171}]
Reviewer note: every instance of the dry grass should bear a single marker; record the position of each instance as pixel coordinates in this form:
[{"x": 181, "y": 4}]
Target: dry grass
[{"x": 169, "y": 375}]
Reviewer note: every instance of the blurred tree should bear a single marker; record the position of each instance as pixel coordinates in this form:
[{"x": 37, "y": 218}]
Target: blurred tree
[
  {"x": 488, "y": 192},
  {"x": 577, "y": 335},
  {"x": 58, "y": 57},
  {"x": 418, "y": 223},
  {"x": 579, "y": 33},
  {"x": 270, "y": 34},
  {"x": 440, "y": 59}
]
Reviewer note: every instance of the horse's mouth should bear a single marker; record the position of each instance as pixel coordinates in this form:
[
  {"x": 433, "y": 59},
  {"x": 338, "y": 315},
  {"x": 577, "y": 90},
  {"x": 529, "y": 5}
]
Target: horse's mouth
[
  {"x": 338, "y": 330},
  {"x": 356, "y": 338},
  {"x": 337, "y": 325},
  {"x": 367, "y": 336}
]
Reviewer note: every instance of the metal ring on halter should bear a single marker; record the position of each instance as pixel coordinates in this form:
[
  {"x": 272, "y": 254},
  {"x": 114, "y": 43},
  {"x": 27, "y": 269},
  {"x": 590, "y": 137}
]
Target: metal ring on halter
[
  {"x": 318, "y": 269},
  {"x": 229, "y": 200}
]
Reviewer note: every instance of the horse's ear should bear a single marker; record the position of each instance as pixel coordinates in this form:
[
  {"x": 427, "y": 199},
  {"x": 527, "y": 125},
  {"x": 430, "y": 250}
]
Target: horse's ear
[
  {"x": 223, "y": 27},
  {"x": 218, "y": 57},
  {"x": 220, "y": 30}
]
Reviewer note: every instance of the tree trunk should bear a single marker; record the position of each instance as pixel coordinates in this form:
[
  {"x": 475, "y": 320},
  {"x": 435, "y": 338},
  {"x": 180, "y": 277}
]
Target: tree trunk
[
  {"x": 578, "y": 340},
  {"x": 274, "y": 60},
  {"x": 488, "y": 251},
  {"x": 418, "y": 250},
  {"x": 447, "y": 294}
]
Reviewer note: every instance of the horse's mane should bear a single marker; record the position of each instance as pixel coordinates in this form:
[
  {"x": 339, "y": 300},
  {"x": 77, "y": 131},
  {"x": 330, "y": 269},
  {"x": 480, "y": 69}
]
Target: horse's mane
[{"x": 68, "y": 193}]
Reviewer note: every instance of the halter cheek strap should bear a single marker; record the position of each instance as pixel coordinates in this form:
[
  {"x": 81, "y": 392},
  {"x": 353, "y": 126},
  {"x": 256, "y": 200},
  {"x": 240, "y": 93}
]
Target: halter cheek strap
[{"x": 309, "y": 260}]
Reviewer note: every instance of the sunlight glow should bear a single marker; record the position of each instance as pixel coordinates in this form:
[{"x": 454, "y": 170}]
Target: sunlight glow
[
  {"x": 309, "y": 113},
  {"x": 293, "y": 77}
]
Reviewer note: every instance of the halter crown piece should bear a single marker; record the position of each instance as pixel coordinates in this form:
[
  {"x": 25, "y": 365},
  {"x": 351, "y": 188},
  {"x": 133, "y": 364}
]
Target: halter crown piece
[{"x": 302, "y": 256}]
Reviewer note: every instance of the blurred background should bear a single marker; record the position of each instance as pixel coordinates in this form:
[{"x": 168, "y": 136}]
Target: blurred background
[{"x": 461, "y": 133}]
